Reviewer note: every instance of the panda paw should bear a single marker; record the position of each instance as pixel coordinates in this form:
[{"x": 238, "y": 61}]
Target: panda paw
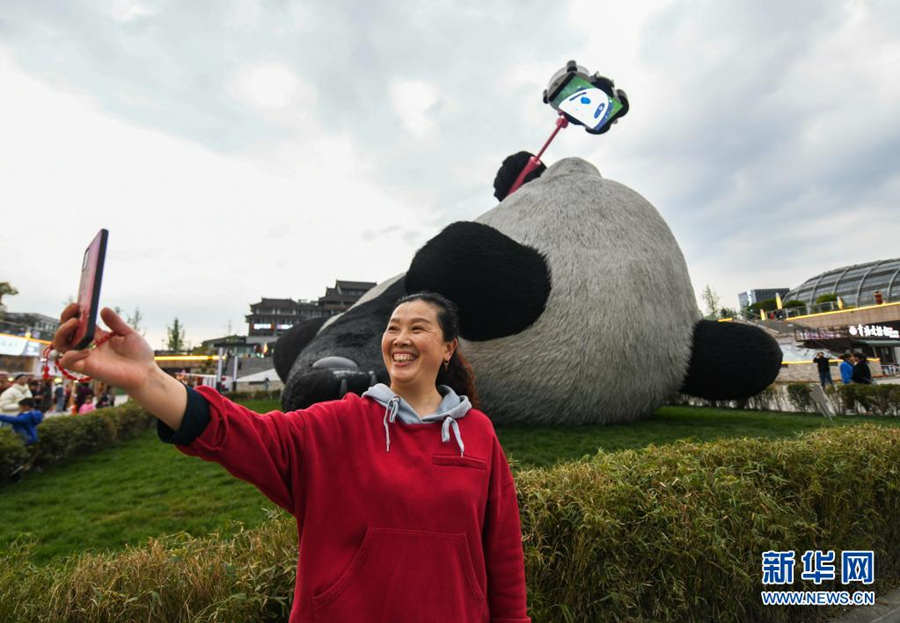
[{"x": 510, "y": 170}]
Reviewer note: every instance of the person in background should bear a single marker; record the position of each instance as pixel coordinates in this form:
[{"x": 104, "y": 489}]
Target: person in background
[
  {"x": 846, "y": 369},
  {"x": 861, "y": 372},
  {"x": 25, "y": 423},
  {"x": 4, "y": 381},
  {"x": 9, "y": 399},
  {"x": 821, "y": 362},
  {"x": 83, "y": 393},
  {"x": 59, "y": 397},
  {"x": 105, "y": 399},
  {"x": 88, "y": 405}
]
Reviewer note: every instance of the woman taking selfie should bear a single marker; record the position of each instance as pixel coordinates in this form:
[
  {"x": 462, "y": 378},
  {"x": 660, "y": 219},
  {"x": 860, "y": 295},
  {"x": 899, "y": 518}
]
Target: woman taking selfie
[{"x": 401, "y": 516}]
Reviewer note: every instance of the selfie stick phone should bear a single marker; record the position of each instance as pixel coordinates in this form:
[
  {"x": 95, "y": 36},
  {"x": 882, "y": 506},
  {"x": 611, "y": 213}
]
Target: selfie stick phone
[
  {"x": 582, "y": 99},
  {"x": 534, "y": 161}
]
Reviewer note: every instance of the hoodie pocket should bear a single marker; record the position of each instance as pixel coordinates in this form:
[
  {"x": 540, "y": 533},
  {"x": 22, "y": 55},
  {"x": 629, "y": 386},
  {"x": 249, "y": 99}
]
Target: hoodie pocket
[
  {"x": 454, "y": 460},
  {"x": 405, "y": 575}
]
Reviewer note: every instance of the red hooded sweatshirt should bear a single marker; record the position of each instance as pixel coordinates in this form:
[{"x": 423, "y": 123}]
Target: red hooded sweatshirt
[{"x": 413, "y": 530}]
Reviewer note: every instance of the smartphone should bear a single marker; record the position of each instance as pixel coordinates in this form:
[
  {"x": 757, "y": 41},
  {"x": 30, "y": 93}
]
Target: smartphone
[
  {"x": 89, "y": 290},
  {"x": 582, "y": 100}
]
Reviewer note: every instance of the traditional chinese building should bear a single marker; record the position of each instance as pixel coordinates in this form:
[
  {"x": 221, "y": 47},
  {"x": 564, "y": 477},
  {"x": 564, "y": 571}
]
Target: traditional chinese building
[{"x": 270, "y": 318}]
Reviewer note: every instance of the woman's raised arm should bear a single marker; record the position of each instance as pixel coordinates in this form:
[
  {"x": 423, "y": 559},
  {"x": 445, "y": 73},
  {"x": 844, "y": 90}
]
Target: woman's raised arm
[{"x": 126, "y": 361}]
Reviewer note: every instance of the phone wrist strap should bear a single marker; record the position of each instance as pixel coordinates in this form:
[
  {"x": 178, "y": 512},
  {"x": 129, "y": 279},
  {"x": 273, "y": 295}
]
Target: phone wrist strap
[{"x": 47, "y": 355}]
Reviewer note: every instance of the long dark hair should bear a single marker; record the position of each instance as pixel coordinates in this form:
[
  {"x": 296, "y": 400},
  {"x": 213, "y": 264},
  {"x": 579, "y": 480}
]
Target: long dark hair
[{"x": 458, "y": 373}]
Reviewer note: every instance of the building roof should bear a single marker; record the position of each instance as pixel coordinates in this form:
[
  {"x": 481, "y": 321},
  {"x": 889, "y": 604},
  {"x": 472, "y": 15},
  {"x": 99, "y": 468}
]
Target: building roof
[
  {"x": 354, "y": 285},
  {"x": 855, "y": 284},
  {"x": 279, "y": 301}
]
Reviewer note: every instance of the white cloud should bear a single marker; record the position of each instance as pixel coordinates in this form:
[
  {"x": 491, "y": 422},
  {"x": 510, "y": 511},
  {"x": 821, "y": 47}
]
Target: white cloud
[
  {"x": 414, "y": 102},
  {"x": 188, "y": 227},
  {"x": 271, "y": 86},
  {"x": 238, "y": 149}
]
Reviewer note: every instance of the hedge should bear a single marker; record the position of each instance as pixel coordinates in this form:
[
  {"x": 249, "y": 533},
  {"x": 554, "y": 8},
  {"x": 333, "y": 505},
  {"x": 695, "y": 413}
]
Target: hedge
[
  {"x": 273, "y": 394},
  {"x": 878, "y": 400},
  {"x": 853, "y": 399},
  {"x": 670, "y": 533},
  {"x": 12, "y": 453},
  {"x": 65, "y": 436}
]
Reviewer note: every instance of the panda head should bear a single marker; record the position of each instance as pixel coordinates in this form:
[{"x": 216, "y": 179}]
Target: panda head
[{"x": 609, "y": 301}]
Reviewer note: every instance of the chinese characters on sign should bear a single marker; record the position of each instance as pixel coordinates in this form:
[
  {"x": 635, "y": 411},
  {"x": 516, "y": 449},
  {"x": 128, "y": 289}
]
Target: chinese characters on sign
[
  {"x": 873, "y": 331},
  {"x": 818, "y": 565}
]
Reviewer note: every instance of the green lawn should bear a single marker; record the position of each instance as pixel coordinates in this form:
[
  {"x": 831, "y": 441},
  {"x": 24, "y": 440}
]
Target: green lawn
[
  {"x": 144, "y": 488},
  {"x": 544, "y": 446}
]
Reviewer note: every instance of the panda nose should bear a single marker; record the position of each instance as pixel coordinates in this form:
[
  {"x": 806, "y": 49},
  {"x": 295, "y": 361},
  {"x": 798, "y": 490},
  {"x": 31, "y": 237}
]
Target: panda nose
[
  {"x": 334, "y": 362},
  {"x": 343, "y": 369}
]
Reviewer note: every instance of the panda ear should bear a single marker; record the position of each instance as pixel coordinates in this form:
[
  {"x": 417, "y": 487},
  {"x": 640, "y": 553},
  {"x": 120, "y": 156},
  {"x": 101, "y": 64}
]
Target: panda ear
[
  {"x": 289, "y": 345},
  {"x": 500, "y": 286},
  {"x": 510, "y": 170},
  {"x": 731, "y": 361}
]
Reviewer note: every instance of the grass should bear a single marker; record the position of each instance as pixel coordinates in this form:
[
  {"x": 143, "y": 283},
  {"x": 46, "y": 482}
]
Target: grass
[
  {"x": 123, "y": 495},
  {"x": 144, "y": 488},
  {"x": 531, "y": 446}
]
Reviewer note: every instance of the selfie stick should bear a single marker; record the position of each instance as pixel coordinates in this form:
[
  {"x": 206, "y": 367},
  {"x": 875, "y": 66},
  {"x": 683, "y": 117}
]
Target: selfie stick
[{"x": 534, "y": 161}]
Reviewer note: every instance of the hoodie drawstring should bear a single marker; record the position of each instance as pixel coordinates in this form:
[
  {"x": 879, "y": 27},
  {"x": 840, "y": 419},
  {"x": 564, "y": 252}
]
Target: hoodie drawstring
[
  {"x": 390, "y": 411},
  {"x": 390, "y": 414},
  {"x": 449, "y": 423}
]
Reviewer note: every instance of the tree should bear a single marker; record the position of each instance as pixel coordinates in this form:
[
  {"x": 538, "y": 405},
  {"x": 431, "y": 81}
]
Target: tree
[
  {"x": 826, "y": 298},
  {"x": 6, "y": 288},
  {"x": 134, "y": 321},
  {"x": 765, "y": 305},
  {"x": 175, "y": 335},
  {"x": 725, "y": 312},
  {"x": 711, "y": 299}
]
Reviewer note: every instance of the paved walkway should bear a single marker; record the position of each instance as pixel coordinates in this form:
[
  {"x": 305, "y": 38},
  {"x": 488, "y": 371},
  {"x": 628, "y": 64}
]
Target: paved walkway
[{"x": 885, "y": 610}]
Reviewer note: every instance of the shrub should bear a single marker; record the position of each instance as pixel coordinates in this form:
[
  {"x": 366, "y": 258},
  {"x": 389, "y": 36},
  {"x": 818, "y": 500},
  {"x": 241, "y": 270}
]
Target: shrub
[
  {"x": 63, "y": 437},
  {"x": 672, "y": 533},
  {"x": 677, "y": 533},
  {"x": 800, "y": 396},
  {"x": 12, "y": 453},
  {"x": 879, "y": 400}
]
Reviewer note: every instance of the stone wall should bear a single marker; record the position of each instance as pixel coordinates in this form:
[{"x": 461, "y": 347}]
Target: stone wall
[{"x": 809, "y": 372}]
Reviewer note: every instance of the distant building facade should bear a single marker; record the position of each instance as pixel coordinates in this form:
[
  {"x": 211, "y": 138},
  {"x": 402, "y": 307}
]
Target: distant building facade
[
  {"x": 871, "y": 283},
  {"x": 749, "y": 297},
  {"x": 22, "y": 338},
  {"x": 270, "y": 318}
]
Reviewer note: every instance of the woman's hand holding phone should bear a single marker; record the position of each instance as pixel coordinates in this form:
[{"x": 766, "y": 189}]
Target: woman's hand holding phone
[{"x": 125, "y": 360}]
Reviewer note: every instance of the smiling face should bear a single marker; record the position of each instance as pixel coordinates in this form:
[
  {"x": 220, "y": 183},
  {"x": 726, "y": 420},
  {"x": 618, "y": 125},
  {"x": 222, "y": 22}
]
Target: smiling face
[{"x": 413, "y": 346}]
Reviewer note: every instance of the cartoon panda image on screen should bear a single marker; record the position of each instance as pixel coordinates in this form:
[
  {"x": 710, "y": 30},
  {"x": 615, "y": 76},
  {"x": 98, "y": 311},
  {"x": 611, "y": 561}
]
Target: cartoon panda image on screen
[{"x": 575, "y": 303}]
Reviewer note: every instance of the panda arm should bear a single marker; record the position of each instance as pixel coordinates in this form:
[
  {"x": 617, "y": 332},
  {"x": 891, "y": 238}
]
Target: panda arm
[
  {"x": 730, "y": 361},
  {"x": 509, "y": 172},
  {"x": 500, "y": 286}
]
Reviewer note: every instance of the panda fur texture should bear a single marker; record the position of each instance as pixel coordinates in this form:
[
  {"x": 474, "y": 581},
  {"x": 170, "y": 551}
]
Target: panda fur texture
[{"x": 575, "y": 307}]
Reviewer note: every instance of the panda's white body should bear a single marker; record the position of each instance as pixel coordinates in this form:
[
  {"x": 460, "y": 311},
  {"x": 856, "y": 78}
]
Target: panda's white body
[{"x": 614, "y": 340}]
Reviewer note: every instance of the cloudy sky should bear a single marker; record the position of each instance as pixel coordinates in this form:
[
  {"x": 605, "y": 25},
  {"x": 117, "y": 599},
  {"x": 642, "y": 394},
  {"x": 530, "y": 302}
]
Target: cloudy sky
[{"x": 238, "y": 149}]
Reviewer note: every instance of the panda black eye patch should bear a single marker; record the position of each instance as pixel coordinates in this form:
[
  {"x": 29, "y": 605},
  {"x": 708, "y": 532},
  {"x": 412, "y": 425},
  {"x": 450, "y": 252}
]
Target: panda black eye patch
[{"x": 500, "y": 286}]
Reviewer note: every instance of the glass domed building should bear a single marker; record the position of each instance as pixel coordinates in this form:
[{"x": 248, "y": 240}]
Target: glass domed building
[{"x": 856, "y": 284}]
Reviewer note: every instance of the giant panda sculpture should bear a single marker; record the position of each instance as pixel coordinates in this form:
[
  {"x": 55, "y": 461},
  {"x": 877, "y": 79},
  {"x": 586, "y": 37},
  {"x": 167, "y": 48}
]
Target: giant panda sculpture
[{"x": 575, "y": 307}]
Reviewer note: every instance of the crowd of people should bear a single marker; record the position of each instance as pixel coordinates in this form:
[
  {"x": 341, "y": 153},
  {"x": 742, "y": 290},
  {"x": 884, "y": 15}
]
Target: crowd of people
[
  {"x": 24, "y": 400},
  {"x": 854, "y": 368}
]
